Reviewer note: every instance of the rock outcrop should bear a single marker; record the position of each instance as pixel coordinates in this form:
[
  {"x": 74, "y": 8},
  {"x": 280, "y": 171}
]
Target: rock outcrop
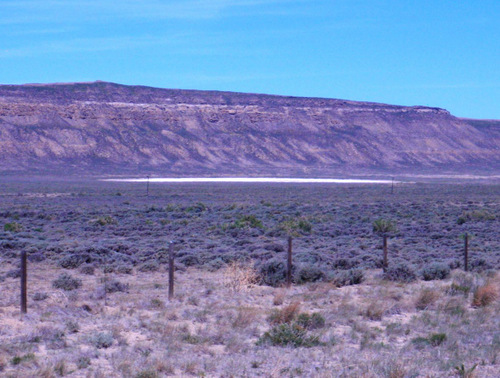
[{"x": 105, "y": 128}]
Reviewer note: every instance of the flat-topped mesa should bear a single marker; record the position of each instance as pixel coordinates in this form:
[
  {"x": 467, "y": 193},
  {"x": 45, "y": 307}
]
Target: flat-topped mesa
[{"x": 106, "y": 128}]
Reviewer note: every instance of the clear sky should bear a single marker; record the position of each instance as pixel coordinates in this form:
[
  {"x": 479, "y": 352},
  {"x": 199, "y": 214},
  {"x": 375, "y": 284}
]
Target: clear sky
[{"x": 443, "y": 53}]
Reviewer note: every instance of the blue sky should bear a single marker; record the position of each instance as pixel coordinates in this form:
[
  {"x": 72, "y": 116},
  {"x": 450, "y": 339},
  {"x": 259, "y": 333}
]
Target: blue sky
[{"x": 437, "y": 53}]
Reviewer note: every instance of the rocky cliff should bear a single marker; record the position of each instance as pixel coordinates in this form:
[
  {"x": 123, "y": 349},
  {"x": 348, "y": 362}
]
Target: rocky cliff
[{"x": 105, "y": 128}]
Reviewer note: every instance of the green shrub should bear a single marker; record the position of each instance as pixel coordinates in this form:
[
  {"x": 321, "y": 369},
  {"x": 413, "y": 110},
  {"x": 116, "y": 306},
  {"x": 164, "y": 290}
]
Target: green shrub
[
  {"x": 288, "y": 335},
  {"x": 383, "y": 226},
  {"x": 66, "y": 282},
  {"x": 437, "y": 339},
  {"x": 12, "y": 227},
  {"x": 247, "y": 221}
]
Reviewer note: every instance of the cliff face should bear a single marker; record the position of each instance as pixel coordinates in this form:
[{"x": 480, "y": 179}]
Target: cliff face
[{"x": 105, "y": 128}]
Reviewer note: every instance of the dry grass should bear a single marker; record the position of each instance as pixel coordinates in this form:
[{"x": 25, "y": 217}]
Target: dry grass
[
  {"x": 426, "y": 298},
  {"x": 485, "y": 295},
  {"x": 239, "y": 276},
  {"x": 211, "y": 328}
]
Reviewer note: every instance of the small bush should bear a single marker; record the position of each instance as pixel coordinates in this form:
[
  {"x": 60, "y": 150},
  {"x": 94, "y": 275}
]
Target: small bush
[
  {"x": 313, "y": 321},
  {"x": 426, "y": 298},
  {"x": 272, "y": 272},
  {"x": 400, "y": 273},
  {"x": 40, "y": 296},
  {"x": 437, "y": 339},
  {"x": 288, "y": 335},
  {"x": 72, "y": 261},
  {"x": 149, "y": 266},
  {"x": 348, "y": 277},
  {"x": 485, "y": 295},
  {"x": 308, "y": 273},
  {"x": 436, "y": 271},
  {"x": 115, "y": 286},
  {"x": 285, "y": 315},
  {"x": 102, "y": 340},
  {"x": 87, "y": 269},
  {"x": 247, "y": 221},
  {"x": 66, "y": 282},
  {"x": 12, "y": 227},
  {"x": 103, "y": 221},
  {"x": 124, "y": 269}
]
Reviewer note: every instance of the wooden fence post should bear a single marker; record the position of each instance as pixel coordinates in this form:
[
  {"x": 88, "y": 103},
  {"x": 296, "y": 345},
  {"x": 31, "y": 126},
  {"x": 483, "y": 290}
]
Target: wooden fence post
[
  {"x": 386, "y": 263},
  {"x": 466, "y": 252},
  {"x": 24, "y": 283},
  {"x": 289, "y": 263},
  {"x": 171, "y": 270},
  {"x": 147, "y": 187}
]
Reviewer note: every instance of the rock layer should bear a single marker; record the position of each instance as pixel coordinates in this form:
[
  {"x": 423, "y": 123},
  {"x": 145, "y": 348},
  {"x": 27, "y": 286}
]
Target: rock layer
[{"x": 105, "y": 128}]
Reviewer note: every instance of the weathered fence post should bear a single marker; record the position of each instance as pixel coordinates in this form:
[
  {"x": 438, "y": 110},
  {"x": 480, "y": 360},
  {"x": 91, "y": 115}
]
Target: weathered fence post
[
  {"x": 24, "y": 283},
  {"x": 384, "y": 244},
  {"x": 147, "y": 187},
  {"x": 171, "y": 270},
  {"x": 392, "y": 186},
  {"x": 466, "y": 252},
  {"x": 289, "y": 263}
]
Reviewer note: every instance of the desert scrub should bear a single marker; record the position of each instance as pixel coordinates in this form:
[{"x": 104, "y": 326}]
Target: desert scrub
[
  {"x": 288, "y": 335},
  {"x": 149, "y": 266},
  {"x": 401, "y": 273},
  {"x": 435, "y": 271},
  {"x": 272, "y": 272},
  {"x": 247, "y": 221},
  {"x": 102, "y": 340},
  {"x": 475, "y": 215},
  {"x": 426, "y": 298},
  {"x": 103, "y": 221},
  {"x": 12, "y": 227},
  {"x": 66, "y": 282},
  {"x": 308, "y": 273},
  {"x": 311, "y": 321},
  {"x": 115, "y": 286},
  {"x": 347, "y": 277},
  {"x": 295, "y": 226}
]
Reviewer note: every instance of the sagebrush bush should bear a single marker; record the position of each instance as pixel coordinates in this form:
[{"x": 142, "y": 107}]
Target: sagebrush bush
[
  {"x": 87, "y": 269},
  {"x": 102, "y": 340},
  {"x": 308, "y": 273},
  {"x": 347, "y": 277},
  {"x": 272, "y": 272},
  {"x": 401, "y": 273},
  {"x": 114, "y": 286},
  {"x": 124, "y": 269},
  {"x": 149, "y": 266},
  {"x": 66, "y": 282},
  {"x": 73, "y": 261},
  {"x": 435, "y": 271}
]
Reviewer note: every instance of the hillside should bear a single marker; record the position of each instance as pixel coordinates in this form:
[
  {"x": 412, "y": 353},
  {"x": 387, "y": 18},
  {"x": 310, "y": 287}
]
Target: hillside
[{"x": 106, "y": 128}]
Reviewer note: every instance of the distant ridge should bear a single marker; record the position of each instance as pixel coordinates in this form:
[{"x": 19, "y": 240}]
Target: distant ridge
[{"x": 102, "y": 128}]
